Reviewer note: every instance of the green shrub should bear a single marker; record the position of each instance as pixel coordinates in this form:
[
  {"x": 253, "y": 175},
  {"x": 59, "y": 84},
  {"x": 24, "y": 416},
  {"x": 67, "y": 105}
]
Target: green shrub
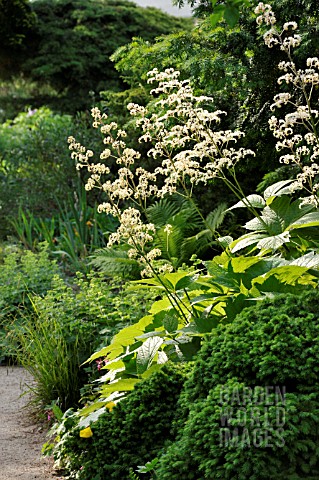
[
  {"x": 271, "y": 343},
  {"x": 131, "y": 434},
  {"x": 65, "y": 327},
  {"x": 261, "y": 441},
  {"x": 23, "y": 273},
  {"x": 35, "y": 166},
  {"x": 269, "y": 353}
]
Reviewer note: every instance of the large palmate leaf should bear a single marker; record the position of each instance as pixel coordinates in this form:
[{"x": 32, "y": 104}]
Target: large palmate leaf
[
  {"x": 284, "y": 279},
  {"x": 123, "y": 339},
  {"x": 242, "y": 275}
]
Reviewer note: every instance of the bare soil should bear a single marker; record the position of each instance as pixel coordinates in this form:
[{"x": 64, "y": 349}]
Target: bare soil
[{"x": 21, "y": 438}]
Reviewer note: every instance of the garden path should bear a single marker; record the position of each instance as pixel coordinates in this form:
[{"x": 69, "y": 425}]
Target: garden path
[{"x": 20, "y": 438}]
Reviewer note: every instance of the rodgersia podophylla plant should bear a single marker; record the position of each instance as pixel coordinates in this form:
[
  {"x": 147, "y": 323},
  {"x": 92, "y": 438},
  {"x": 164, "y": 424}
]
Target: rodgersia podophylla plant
[
  {"x": 187, "y": 148},
  {"x": 184, "y": 126},
  {"x": 297, "y": 132}
]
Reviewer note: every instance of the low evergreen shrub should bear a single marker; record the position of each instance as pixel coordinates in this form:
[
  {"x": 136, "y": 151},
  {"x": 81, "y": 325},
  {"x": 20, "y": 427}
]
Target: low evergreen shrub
[
  {"x": 271, "y": 343},
  {"x": 250, "y": 408},
  {"x": 131, "y": 434}
]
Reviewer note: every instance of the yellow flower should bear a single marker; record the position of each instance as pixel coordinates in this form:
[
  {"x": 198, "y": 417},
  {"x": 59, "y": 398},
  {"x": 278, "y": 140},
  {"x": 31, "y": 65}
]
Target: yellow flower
[
  {"x": 110, "y": 406},
  {"x": 86, "y": 433}
]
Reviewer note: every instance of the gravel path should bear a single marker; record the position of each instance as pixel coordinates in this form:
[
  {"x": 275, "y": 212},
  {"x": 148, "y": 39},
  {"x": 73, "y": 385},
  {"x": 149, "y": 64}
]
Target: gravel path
[{"x": 20, "y": 439}]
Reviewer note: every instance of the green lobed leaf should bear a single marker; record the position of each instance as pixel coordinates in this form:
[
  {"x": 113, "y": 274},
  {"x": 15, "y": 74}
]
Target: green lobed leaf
[
  {"x": 234, "y": 305},
  {"x": 122, "y": 385},
  {"x": 183, "y": 279},
  {"x": 206, "y": 323},
  {"x": 217, "y": 15},
  {"x": 92, "y": 417},
  {"x": 160, "y": 305},
  {"x": 92, "y": 408},
  {"x": 124, "y": 338},
  {"x": 190, "y": 347},
  {"x": 285, "y": 278},
  {"x": 241, "y": 264},
  {"x": 231, "y": 15}
]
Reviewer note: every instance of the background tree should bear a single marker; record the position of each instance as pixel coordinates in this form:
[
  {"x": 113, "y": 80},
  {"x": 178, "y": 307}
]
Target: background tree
[
  {"x": 16, "y": 23},
  {"x": 72, "y": 40}
]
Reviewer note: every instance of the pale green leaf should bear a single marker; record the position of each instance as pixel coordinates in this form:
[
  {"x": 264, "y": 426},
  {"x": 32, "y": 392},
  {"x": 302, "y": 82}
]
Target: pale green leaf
[
  {"x": 155, "y": 367},
  {"x": 155, "y": 333},
  {"x": 310, "y": 260},
  {"x": 124, "y": 338},
  {"x": 241, "y": 264},
  {"x": 160, "y": 305},
  {"x": 93, "y": 416},
  {"x": 308, "y": 220},
  {"x": 225, "y": 241},
  {"x": 175, "y": 278},
  {"x": 96, "y": 405},
  {"x": 122, "y": 385},
  {"x": 270, "y": 221},
  {"x": 246, "y": 241},
  {"x": 146, "y": 353},
  {"x": 277, "y": 189},
  {"x": 253, "y": 200},
  {"x": 274, "y": 242},
  {"x": 281, "y": 278}
]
